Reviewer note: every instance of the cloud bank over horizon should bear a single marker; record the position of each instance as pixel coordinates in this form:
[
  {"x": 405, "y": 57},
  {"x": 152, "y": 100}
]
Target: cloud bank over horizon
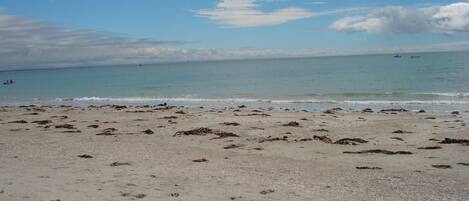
[
  {"x": 27, "y": 43},
  {"x": 449, "y": 19}
]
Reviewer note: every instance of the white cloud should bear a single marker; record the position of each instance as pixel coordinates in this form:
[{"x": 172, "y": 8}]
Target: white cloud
[
  {"x": 27, "y": 44},
  {"x": 448, "y": 19},
  {"x": 245, "y": 13},
  {"x": 30, "y": 43}
]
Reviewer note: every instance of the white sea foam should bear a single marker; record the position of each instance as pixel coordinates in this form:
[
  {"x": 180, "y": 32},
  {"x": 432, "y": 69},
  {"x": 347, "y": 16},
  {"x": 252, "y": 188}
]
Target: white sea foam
[
  {"x": 252, "y": 100},
  {"x": 448, "y": 94},
  {"x": 183, "y": 99},
  {"x": 408, "y": 102}
]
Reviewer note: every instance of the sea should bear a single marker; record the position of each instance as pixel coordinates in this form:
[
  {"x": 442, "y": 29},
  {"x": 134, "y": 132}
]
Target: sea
[{"x": 435, "y": 82}]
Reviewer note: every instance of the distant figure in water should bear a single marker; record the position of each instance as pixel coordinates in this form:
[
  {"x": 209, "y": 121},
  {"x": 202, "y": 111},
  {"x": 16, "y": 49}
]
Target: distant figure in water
[{"x": 8, "y": 82}]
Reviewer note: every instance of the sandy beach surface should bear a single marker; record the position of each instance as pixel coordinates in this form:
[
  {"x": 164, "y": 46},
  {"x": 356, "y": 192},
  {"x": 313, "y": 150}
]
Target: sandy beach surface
[{"x": 242, "y": 154}]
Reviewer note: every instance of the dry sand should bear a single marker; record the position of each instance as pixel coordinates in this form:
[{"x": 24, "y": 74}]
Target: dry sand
[{"x": 270, "y": 160}]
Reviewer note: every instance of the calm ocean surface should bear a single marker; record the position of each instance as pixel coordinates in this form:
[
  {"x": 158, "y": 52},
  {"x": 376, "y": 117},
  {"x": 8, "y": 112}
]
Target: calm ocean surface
[{"x": 437, "y": 82}]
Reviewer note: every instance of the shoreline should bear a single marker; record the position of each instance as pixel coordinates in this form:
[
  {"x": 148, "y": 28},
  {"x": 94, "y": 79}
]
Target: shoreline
[
  {"x": 240, "y": 153},
  {"x": 320, "y": 106}
]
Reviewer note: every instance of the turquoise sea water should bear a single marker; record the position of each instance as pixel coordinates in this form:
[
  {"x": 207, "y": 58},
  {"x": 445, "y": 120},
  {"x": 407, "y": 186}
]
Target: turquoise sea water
[{"x": 436, "y": 81}]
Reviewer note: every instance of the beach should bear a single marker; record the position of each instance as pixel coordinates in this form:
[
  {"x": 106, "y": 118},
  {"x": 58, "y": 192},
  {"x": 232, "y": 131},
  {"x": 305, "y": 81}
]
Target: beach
[{"x": 238, "y": 153}]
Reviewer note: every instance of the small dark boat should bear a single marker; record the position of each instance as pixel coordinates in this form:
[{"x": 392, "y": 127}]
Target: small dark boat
[
  {"x": 414, "y": 57},
  {"x": 397, "y": 56},
  {"x": 8, "y": 82}
]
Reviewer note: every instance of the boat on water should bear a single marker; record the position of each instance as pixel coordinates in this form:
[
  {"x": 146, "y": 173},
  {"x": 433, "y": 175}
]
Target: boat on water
[
  {"x": 397, "y": 56},
  {"x": 8, "y": 82},
  {"x": 414, "y": 57}
]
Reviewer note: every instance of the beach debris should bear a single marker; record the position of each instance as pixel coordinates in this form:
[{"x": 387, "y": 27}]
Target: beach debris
[
  {"x": 38, "y": 109},
  {"x": 401, "y": 132},
  {"x": 455, "y": 113},
  {"x": 59, "y": 117},
  {"x": 235, "y": 197},
  {"x": 421, "y": 111},
  {"x": 330, "y": 111},
  {"x": 256, "y": 111},
  {"x": 169, "y": 117},
  {"x": 233, "y": 146},
  {"x": 108, "y": 131},
  {"x": 306, "y": 139},
  {"x": 430, "y": 148},
  {"x": 205, "y": 131},
  {"x": 200, "y": 160},
  {"x": 65, "y": 126},
  {"x": 42, "y": 122},
  {"x": 119, "y": 107},
  {"x": 174, "y": 195},
  {"x": 162, "y": 105},
  {"x": 73, "y": 131},
  {"x": 324, "y": 139},
  {"x": 454, "y": 141},
  {"x": 32, "y": 113},
  {"x": 140, "y": 196},
  {"x": 199, "y": 131},
  {"x": 430, "y": 118},
  {"x": 139, "y": 111},
  {"x": 272, "y": 139},
  {"x": 164, "y": 108},
  {"x": 117, "y": 163},
  {"x": 257, "y": 128},
  {"x": 292, "y": 124},
  {"x": 257, "y": 114},
  {"x": 320, "y": 130},
  {"x": 379, "y": 151},
  {"x": 368, "y": 168},
  {"x": 350, "y": 141},
  {"x": 223, "y": 134},
  {"x": 180, "y": 112},
  {"x": 367, "y": 110},
  {"x": 85, "y": 156},
  {"x": 93, "y": 126},
  {"x": 465, "y": 164},
  {"x": 397, "y": 138},
  {"x": 242, "y": 106},
  {"x": 230, "y": 124},
  {"x": 394, "y": 110},
  {"x": 265, "y": 192},
  {"x": 442, "y": 166},
  {"x": 18, "y": 122},
  {"x": 148, "y": 132}
]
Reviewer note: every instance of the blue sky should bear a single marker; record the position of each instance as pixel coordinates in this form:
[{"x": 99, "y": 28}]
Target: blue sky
[{"x": 194, "y": 29}]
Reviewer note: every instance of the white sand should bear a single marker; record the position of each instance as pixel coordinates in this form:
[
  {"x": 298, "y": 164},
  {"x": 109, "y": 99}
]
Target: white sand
[{"x": 38, "y": 163}]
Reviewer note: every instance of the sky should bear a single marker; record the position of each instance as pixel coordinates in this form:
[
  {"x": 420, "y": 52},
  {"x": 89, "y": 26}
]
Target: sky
[{"x": 65, "y": 33}]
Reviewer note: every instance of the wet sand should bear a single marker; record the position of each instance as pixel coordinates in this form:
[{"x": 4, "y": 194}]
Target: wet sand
[{"x": 244, "y": 154}]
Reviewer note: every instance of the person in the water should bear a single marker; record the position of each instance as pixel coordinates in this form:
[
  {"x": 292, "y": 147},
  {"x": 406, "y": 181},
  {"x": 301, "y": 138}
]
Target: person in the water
[{"x": 8, "y": 82}]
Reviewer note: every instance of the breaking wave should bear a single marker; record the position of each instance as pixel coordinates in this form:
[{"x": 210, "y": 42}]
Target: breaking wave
[{"x": 252, "y": 100}]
